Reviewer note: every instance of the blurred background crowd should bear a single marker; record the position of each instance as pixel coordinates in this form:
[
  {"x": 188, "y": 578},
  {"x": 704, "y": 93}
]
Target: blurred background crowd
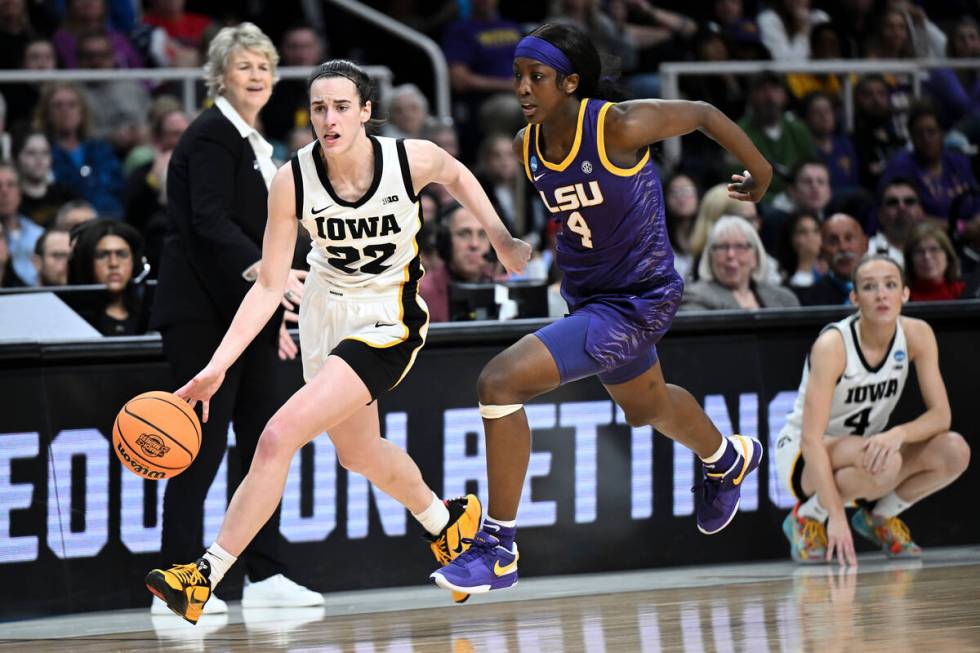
[{"x": 864, "y": 162}]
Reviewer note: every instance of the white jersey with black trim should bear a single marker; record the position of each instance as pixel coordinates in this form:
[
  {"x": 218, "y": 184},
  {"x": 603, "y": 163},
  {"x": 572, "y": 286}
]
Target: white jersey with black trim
[
  {"x": 864, "y": 396},
  {"x": 369, "y": 244}
]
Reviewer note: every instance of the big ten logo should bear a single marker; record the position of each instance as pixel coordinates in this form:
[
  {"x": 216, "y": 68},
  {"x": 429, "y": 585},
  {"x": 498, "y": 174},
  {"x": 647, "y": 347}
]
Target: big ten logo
[{"x": 575, "y": 196}]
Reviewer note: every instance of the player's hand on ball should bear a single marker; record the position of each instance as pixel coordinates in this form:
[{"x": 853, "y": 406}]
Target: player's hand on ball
[
  {"x": 201, "y": 388},
  {"x": 514, "y": 256}
]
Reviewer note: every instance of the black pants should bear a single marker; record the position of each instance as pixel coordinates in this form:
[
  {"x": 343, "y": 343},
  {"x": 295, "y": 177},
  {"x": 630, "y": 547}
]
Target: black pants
[{"x": 246, "y": 400}]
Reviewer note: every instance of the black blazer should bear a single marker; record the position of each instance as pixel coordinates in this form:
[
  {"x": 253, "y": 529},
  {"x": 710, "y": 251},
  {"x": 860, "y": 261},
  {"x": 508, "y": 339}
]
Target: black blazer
[{"x": 216, "y": 211}]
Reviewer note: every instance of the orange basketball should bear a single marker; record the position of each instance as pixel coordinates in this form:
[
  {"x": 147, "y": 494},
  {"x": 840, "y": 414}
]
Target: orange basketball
[{"x": 156, "y": 435}]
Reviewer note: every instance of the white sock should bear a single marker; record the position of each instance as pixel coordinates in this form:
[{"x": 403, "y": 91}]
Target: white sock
[
  {"x": 716, "y": 456},
  {"x": 435, "y": 517},
  {"x": 500, "y": 522},
  {"x": 220, "y": 561},
  {"x": 811, "y": 509},
  {"x": 890, "y": 505}
]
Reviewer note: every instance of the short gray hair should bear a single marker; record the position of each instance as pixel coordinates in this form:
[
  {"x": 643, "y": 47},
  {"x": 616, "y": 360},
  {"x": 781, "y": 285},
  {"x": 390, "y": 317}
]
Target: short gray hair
[
  {"x": 409, "y": 90},
  {"x": 727, "y": 224},
  {"x": 246, "y": 36}
]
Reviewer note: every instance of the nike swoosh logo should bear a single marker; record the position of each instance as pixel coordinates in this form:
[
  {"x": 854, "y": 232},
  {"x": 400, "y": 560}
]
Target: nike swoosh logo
[
  {"x": 378, "y": 325},
  {"x": 537, "y": 177},
  {"x": 459, "y": 542},
  {"x": 506, "y": 569},
  {"x": 746, "y": 459},
  {"x": 315, "y": 211}
]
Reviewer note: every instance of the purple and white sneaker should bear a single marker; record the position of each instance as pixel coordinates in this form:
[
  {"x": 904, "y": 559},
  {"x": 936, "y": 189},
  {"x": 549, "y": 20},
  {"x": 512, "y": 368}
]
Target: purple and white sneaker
[
  {"x": 720, "y": 492},
  {"x": 483, "y": 567}
]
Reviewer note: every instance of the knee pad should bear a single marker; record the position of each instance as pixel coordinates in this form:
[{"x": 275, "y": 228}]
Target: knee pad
[{"x": 496, "y": 412}]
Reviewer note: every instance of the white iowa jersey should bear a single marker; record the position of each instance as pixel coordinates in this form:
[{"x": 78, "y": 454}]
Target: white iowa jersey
[
  {"x": 368, "y": 244},
  {"x": 865, "y": 396}
]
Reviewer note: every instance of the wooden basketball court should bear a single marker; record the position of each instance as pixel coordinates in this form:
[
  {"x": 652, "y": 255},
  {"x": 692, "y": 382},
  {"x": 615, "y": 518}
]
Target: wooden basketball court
[{"x": 922, "y": 606}]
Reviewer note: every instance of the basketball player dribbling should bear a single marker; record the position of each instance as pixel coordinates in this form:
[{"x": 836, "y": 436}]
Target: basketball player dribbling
[
  {"x": 590, "y": 161},
  {"x": 834, "y": 447},
  {"x": 361, "y": 321}
]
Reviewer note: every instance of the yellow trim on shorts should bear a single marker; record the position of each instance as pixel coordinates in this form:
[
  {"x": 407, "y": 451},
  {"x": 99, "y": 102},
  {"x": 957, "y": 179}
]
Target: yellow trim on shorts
[
  {"x": 601, "y": 142},
  {"x": 560, "y": 167},
  {"x": 401, "y": 305}
]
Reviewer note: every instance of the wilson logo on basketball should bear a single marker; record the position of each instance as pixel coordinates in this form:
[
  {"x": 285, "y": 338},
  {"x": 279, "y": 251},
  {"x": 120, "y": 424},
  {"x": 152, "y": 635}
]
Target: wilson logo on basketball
[
  {"x": 136, "y": 466},
  {"x": 152, "y": 445}
]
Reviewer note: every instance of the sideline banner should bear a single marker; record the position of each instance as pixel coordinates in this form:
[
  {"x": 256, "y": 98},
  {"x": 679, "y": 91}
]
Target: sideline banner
[{"x": 78, "y": 533}]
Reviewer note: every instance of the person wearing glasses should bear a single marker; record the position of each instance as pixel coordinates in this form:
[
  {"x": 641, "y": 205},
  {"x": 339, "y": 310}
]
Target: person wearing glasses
[
  {"x": 931, "y": 264},
  {"x": 899, "y": 211},
  {"x": 104, "y": 254},
  {"x": 733, "y": 273},
  {"x": 939, "y": 173}
]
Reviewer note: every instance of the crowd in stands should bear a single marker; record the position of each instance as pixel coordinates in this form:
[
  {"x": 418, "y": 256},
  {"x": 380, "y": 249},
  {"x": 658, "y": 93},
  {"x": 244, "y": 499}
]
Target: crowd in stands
[{"x": 83, "y": 164}]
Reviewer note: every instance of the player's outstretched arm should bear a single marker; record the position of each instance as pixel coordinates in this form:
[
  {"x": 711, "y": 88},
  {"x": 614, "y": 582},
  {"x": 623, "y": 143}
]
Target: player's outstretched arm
[
  {"x": 633, "y": 125},
  {"x": 432, "y": 164},
  {"x": 263, "y": 297},
  {"x": 827, "y": 360}
]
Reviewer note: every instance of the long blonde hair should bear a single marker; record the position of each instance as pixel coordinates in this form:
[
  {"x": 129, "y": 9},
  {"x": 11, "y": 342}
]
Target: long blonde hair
[{"x": 714, "y": 204}]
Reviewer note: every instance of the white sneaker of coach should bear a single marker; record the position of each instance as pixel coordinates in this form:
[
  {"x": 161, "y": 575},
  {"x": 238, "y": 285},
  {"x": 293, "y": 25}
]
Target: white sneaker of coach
[
  {"x": 213, "y": 606},
  {"x": 278, "y": 592}
]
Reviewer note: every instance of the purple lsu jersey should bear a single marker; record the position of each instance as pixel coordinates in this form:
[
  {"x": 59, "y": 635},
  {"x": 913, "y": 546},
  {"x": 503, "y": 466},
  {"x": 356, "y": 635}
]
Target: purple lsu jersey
[{"x": 612, "y": 244}]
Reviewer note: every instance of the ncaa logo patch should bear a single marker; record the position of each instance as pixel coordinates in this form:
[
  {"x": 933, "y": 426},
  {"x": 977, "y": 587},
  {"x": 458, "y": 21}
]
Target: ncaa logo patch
[
  {"x": 587, "y": 167},
  {"x": 152, "y": 445},
  {"x": 899, "y": 355},
  {"x": 534, "y": 163}
]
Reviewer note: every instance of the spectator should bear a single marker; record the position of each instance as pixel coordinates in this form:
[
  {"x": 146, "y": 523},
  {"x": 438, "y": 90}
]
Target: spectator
[
  {"x": 933, "y": 268},
  {"x": 118, "y": 106},
  {"x": 86, "y": 166},
  {"x": 854, "y": 22},
  {"x": 15, "y": 32},
  {"x": 723, "y": 90},
  {"x": 799, "y": 251},
  {"x": 86, "y": 16},
  {"x": 289, "y": 106},
  {"x": 785, "y": 28},
  {"x": 51, "y": 253},
  {"x": 842, "y": 244},
  {"x": 105, "y": 254},
  {"x": 714, "y": 205},
  {"x": 41, "y": 196},
  {"x": 733, "y": 272},
  {"x": 145, "y": 198},
  {"x": 8, "y": 278},
  {"x": 185, "y": 28},
  {"x": 876, "y": 136},
  {"x": 611, "y": 38},
  {"x": 833, "y": 147},
  {"x": 516, "y": 203},
  {"x": 958, "y": 90},
  {"x": 729, "y": 20},
  {"x": 892, "y": 38},
  {"x": 683, "y": 201},
  {"x": 74, "y": 213},
  {"x": 408, "y": 112},
  {"x": 899, "y": 211},
  {"x": 443, "y": 134},
  {"x": 22, "y": 97},
  {"x": 824, "y": 44},
  {"x": 21, "y": 232},
  {"x": 939, "y": 174},
  {"x": 782, "y": 139},
  {"x": 464, "y": 248},
  {"x": 964, "y": 226},
  {"x": 480, "y": 52},
  {"x": 810, "y": 192}
]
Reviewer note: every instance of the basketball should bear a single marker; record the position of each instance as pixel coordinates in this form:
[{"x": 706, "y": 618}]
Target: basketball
[{"x": 156, "y": 435}]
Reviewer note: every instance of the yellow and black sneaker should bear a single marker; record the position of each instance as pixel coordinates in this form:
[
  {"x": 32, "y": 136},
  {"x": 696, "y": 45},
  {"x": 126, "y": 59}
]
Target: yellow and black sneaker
[
  {"x": 184, "y": 588},
  {"x": 465, "y": 514}
]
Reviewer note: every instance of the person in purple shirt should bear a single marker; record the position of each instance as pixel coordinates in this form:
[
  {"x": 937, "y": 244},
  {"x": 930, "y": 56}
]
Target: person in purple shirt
[
  {"x": 939, "y": 173},
  {"x": 833, "y": 147},
  {"x": 480, "y": 50},
  {"x": 590, "y": 161},
  {"x": 958, "y": 90}
]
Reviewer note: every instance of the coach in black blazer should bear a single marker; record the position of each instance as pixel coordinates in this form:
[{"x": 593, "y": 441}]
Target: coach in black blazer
[{"x": 217, "y": 188}]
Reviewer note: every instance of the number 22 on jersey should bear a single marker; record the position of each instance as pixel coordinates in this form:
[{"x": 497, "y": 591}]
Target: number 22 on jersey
[{"x": 576, "y": 224}]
